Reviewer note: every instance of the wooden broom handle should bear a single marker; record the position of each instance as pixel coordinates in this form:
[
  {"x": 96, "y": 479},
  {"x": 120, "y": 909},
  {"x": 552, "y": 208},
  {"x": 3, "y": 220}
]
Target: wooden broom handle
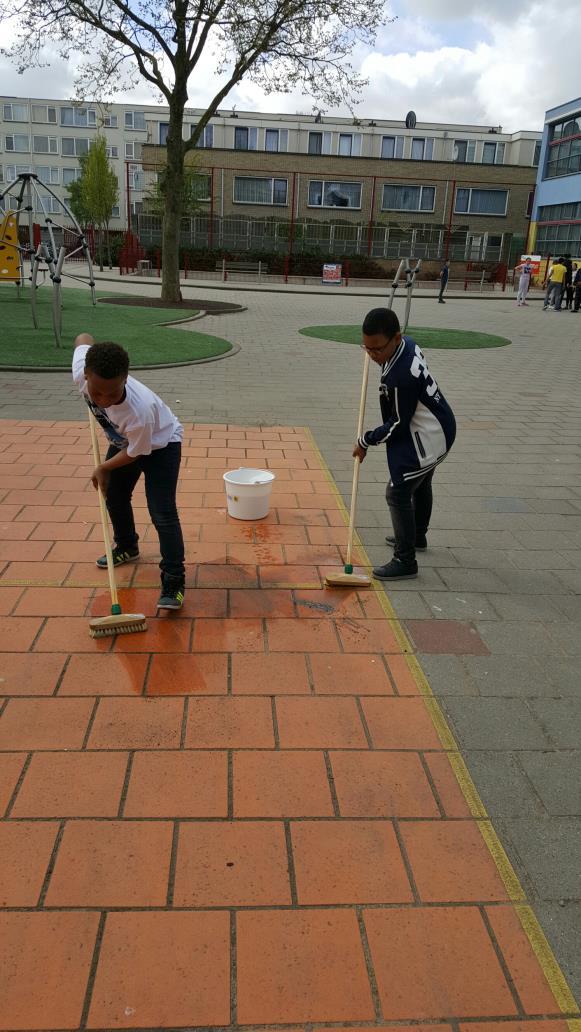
[
  {"x": 104, "y": 514},
  {"x": 357, "y": 463}
]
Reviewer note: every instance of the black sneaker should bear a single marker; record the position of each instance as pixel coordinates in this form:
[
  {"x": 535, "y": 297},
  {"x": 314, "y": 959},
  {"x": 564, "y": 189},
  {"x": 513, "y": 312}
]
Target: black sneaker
[
  {"x": 120, "y": 557},
  {"x": 396, "y": 570},
  {"x": 172, "y": 593},
  {"x": 421, "y": 542}
]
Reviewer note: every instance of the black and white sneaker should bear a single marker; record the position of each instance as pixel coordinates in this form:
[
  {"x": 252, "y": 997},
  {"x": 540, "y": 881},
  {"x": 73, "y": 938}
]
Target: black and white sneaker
[
  {"x": 120, "y": 557},
  {"x": 421, "y": 542},
  {"x": 172, "y": 593},
  {"x": 396, "y": 570}
]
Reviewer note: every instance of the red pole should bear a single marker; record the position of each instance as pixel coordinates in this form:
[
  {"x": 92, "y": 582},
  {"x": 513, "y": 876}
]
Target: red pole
[
  {"x": 449, "y": 233},
  {"x": 370, "y": 229},
  {"x": 128, "y": 197},
  {"x": 347, "y": 271},
  {"x": 211, "y": 227},
  {"x": 286, "y": 265}
]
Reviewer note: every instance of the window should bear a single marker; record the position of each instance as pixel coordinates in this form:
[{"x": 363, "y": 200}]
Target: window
[
  {"x": 110, "y": 121},
  {"x": 1, "y": 174},
  {"x": 73, "y": 146},
  {"x": 334, "y": 195},
  {"x": 464, "y": 150},
  {"x": 133, "y": 151},
  {"x": 349, "y": 145},
  {"x": 18, "y": 143},
  {"x": 70, "y": 175},
  {"x": 115, "y": 211},
  {"x": 560, "y": 212},
  {"x": 135, "y": 177},
  {"x": 163, "y": 131},
  {"x": 135, "y": 120},
  {"x": 320, "y": 143},
  {"x": 481, "y": 202},
  {"x": 13, "y": 171},
  {"x": 200, "y": 187},
  {"x": 43, "y": 113},
  {"x": 47, "y": 175},
  {"x": 81, "y": 117},
  {"x": 537, "y": 154},
  {"x": 392, "y": 147},
  {"x": 136, "y": 207},
  {"x": 112, "y": 152},
  {"x": 408, "y": 198},
  {"x": 245, "y": 139},
  {"x": 493, "y": 154},
  {"x": 15, "y": 112},
  {"x": 276, "y": 140},
  {"x": 206, "y": 137},
  {"x": 252, "y": 190},
  {"x": 49, "y": 204},
  {"x": 422, "y": 150},
  {"x": 564, "y": 151},
  {"x": 45, "y": 145}
]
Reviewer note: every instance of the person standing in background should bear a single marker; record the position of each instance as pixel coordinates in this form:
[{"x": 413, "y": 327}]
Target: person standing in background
[
  {"x": 444, "y": 277},
  {"x": 577, "y": 287},
  {"x": 555, "y": 284},
  {"x": 525, "y": 269},
  {"x": 568, "y": 287}
]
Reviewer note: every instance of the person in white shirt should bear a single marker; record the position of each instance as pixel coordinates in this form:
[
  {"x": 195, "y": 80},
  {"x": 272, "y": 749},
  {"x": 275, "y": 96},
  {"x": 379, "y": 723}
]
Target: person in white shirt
[
  {"x": 525, "y": 269},
  {"x": 144, "y": 437}
]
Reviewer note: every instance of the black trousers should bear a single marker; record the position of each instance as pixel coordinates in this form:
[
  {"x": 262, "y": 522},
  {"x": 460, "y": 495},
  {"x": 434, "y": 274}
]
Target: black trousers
[
  {"x": 410, "y": 506},
  {"x": 161, "y": 470}
]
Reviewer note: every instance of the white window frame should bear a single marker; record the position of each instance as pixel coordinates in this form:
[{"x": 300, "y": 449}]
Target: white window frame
[
  {"x": 281, "y": 140},
  {"x": 470, "y": 150},
  {"x": 334, "y": 207},
  {"x": 115, "y": 211},
  {"x": 272, "y": 203},
  {"x": 499, "y": 149},
  {"x": 51, "y": 204},
  {"x": 130, "y": 146},
  {"x": 77, "y": 122},
  {"x": 77, "y": 175},
  {"x": 326, "y": 142},
  {"x": 52, "y": 144},
  {"x": 482, "y": 215},
  {"x": 251, "y": 138},
  {"x": 129, "y": 121},
  {"x": 13, "y": 149},
  {"x": 427, "y": 148},
  {"x": 76, "y": 152},
  {"x": 35, "y": 108},
  {"x": 398, "y": 145},
  {"x": 53, "y": 177},
  {"x": 10, "y": 107},
  {"x": 415, "y": 186},
  {"x": 112, "y": 150},
  {"x": 110, "y": 121},
  {"x": 13, "y": 171}
]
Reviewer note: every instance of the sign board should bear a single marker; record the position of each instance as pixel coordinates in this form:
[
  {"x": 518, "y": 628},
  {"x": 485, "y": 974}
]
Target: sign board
[
  {"x": 332, "y": 275},
  {"x": 534, "y": 260}
]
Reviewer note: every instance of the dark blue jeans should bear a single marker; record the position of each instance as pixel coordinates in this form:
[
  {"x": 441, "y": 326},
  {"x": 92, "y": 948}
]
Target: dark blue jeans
[
  {"x": 161, "y": 470},
  {"x": 410, "y": 506}
]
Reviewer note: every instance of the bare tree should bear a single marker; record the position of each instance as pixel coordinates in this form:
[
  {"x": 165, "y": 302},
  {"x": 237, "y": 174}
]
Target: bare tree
[{"x": 280, "y": 44}]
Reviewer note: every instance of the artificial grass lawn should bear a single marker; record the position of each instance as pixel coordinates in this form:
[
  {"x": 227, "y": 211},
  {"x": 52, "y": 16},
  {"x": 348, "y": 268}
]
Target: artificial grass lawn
[
  {"x": 427, "y": 337},
  {"x": 137, "y": 329}
]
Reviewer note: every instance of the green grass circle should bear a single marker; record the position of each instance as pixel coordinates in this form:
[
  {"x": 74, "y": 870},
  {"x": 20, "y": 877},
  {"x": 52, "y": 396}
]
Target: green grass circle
[
  {"x": 426, "y": 336},
  {"x": 138, "y": 329}
]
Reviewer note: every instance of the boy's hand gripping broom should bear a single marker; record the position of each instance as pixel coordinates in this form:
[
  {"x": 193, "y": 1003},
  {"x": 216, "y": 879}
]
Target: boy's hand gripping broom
[{"x": 118, "y": 622}]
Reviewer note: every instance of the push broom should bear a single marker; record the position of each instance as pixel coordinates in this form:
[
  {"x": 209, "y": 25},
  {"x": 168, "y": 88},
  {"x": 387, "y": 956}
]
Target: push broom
[
  {"x": 349, "y": 579},
  {"x": 118, "y": 622}
]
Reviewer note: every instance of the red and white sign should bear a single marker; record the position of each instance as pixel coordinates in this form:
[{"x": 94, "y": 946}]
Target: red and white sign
[
  {"x": 332, "y": 275},
  {"x": 534, "y": 260}
]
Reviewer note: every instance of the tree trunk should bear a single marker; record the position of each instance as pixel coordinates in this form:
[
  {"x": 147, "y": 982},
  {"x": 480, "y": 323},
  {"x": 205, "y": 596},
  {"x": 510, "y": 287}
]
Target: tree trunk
[
  {"x": 173, "y": 199},
  {"x": 108, "y": 240},
  {"x": 100, "y": 249}
]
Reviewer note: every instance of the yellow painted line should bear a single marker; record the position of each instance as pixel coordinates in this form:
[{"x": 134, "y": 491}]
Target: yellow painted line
[
  {"x": 531, "y": 927},
  {"x": 549, "y": 964}
]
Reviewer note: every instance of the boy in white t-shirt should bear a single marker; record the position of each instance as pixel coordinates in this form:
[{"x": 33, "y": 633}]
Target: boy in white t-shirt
[{"x": 144, "y": 437}]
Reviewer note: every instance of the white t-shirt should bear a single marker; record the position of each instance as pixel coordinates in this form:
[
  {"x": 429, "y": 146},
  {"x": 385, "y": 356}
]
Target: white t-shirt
[{"x": 142, "y": 422}]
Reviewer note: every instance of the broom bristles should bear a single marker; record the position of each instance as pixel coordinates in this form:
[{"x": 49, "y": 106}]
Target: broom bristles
[
  {"x": 124, "y": 623},
  {"x": 347, "y": 580}
]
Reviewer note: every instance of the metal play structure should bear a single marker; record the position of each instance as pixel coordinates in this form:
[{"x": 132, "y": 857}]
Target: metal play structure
[{"x": 49, "y": 246}]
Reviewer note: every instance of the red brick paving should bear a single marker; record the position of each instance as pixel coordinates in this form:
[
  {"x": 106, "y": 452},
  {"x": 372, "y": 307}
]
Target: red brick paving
[{"x": 244, "y": 816}]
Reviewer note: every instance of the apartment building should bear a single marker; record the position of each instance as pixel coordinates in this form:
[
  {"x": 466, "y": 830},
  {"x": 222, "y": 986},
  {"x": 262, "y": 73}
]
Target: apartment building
[
  {"x": 462, "y": 185},
  {"x": 556, "y": 225}
]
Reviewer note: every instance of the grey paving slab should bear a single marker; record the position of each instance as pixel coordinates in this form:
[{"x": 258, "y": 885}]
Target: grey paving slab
[
  {"x": 496, "y": 723},
  {"x": 504, "y": 786},
  {"x": 507, "y": 514},
  {"x": 545, "y": 847},
  {"x": 556, "y": 777}
]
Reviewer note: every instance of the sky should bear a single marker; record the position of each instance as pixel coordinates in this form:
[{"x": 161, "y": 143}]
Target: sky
[{"x": 493, "y": 63}]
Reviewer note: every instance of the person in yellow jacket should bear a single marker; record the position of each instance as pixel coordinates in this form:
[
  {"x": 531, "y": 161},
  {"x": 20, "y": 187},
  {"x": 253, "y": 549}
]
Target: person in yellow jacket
[{"x": 555, "y": 285}]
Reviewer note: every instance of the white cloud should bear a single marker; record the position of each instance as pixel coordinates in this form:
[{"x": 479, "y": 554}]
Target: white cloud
[{"x": 454, "y": 60}]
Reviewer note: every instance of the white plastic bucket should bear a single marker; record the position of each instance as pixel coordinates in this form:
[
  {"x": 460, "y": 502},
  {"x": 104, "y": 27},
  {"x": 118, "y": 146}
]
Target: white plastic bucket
[{"x": 248, "y": 493}]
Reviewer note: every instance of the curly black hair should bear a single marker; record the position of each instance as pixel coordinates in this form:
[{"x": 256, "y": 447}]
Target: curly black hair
[
  {"x": 107, "y": 360},
  {"x": 381, "y": 320}
]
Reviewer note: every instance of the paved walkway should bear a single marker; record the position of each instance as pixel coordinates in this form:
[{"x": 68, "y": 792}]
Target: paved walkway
[
  {"x": 254, "y": 813},
  {"x": 495, "y": 615}
]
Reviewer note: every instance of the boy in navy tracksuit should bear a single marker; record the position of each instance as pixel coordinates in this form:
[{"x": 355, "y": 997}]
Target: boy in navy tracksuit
[{"x": 418, "y": 430}]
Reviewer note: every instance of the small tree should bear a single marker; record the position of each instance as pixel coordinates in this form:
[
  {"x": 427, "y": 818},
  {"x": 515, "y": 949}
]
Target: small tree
[
  {"x": 100, "y": 192},
  {"x": 283, "y": 45},
  {"x": 76, "y": 198}
]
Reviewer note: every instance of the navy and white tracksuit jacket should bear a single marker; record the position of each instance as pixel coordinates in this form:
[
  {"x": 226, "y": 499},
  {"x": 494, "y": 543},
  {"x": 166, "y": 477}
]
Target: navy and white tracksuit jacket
[{"x": 418, "y": 424}]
